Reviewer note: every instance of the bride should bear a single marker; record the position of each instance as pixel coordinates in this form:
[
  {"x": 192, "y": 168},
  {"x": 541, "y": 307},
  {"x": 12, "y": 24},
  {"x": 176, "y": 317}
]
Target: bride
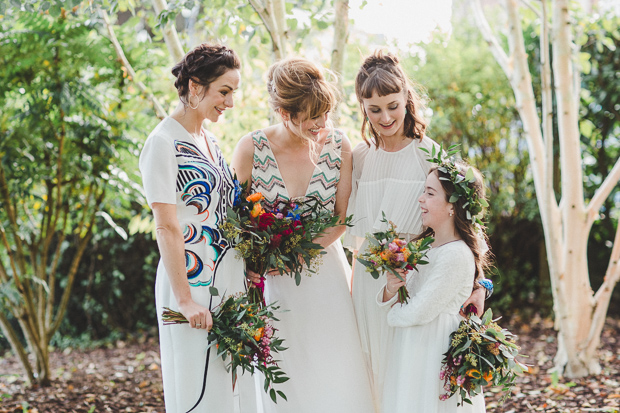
[{"x": 299, "y": 157}]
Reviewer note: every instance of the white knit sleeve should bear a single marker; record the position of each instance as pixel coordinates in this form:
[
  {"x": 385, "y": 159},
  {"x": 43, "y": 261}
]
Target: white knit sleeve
[{"x": 451, "y": 275}]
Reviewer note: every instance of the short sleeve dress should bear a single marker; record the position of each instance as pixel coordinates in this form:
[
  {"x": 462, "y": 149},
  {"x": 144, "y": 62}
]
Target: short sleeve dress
[
  {"x": 390, "y": 183},
  {"x": 176, "y": 170}
]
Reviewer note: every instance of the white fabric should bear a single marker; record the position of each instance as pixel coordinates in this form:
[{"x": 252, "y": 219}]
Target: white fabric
[
  {"x": 177, "y": 170},
  {"x": 422, "y": 330},
  {"x": 389, "y": 182},
  {"x": 324, "y": 360}
]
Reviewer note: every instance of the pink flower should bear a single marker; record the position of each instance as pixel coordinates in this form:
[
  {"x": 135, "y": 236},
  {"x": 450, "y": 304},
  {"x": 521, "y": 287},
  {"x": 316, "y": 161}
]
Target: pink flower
[
  {"x": 442, "y": 374},
  {"x": 460, "y": 380},
  {"x": 393, "y": 247},
  {"x": 400, "y": 257},
  {"x": 444, "y": 397},
  {"x": 279, "y": 215}
]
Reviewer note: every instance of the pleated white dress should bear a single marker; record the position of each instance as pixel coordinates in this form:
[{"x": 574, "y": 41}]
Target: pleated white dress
[
  {"x": 324, "y": 359},
  {"x": 422, "y": 330},
  {"x": 176, "y": 170},
  {"x": 389, "y": 182}
]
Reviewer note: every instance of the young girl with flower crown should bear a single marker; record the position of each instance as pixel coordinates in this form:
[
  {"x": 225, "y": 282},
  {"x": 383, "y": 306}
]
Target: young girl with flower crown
[
  {"x": 389, "y": 169},
  {"x": 423, "y": 325}
]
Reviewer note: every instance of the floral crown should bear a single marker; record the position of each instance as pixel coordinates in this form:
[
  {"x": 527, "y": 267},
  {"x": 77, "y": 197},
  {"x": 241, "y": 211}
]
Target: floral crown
[{"x": 474, "y": 205}]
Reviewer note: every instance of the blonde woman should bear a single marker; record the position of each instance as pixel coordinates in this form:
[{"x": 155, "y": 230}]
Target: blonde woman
[{"x": 299, "y": 157}]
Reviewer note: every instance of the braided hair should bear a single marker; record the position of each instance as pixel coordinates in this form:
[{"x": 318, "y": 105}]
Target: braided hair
[{"x": 203, "y": 65}]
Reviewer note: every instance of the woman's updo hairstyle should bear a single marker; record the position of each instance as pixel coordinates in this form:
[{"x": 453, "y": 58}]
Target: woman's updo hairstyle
[
  {"x": 203, "y": 65},
  {"x": 381, "y": 73},
  {"x": 299, "y": 87}
]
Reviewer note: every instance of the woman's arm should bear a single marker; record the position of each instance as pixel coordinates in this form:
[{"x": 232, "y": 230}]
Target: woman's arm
[
  {"x": 172, "y": 250},
  {"x": 452, "y": 271},
  {"x": 343, "y": 191},
  {"x": 243, "y": 159}
]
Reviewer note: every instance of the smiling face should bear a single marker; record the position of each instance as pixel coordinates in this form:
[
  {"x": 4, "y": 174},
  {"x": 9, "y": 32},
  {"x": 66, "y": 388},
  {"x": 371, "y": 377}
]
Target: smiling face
[
  {"x": 433, "y": 203},
  {"x": 219, "y": 95},
  {"x": 386, "y": 113},
  {"x": 313, "y": 126}
]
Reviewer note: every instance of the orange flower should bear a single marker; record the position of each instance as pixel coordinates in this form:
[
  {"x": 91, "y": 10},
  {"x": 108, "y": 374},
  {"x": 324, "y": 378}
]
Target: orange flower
[
  {"x": 473, "y": 373},
  {"x": 259, "y": 334},
  {"x": 488, "y": 376},
  {"x": 255, "y": 197},
  {"x": 453, "y": 380},
  {"x": 385, "y": 254},
  {"x": 256, "y": 211}
]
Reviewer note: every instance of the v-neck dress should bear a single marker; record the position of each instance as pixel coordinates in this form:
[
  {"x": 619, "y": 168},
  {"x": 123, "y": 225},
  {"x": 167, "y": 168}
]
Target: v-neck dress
[
  {"x": 324, "y": 359},
  {"x": 177, "y": 169}
]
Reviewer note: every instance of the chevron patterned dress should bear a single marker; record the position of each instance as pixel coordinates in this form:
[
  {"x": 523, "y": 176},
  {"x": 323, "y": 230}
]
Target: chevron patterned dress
[{"x": 324, "y": 359}]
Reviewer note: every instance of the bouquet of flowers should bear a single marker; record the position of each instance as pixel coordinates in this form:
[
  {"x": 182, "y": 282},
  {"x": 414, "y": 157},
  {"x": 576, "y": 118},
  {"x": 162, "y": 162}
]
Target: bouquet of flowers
[
  {"x": 387, "y": 252},
  {"x": 480, "y": 353},
  {"x": 279, "y": 239},
  {"x": 243, "y": 332}
]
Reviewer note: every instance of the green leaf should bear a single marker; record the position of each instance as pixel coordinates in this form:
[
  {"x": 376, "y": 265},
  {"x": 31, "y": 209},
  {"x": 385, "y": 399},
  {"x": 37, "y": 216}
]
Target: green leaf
[{"x": 213, "y": 291}]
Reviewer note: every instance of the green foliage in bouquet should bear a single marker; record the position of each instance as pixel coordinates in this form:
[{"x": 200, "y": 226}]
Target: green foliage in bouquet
[
  {"x": 243, "y": 334},
  {"x": 278, "y": 239},
  {"x": 481, "y": 353},
  {"x": 387, "y": 252}
]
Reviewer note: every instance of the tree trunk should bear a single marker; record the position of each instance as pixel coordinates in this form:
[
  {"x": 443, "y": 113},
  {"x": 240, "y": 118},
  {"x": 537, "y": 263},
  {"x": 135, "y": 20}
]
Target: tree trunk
[
  {"x": 580, "y": 314},
  {"x": 341, "y": 33}
]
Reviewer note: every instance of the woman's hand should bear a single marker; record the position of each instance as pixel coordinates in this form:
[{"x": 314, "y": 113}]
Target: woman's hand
[
  {"x": 394, "y": 283},
  {"x": 197, "y": 315},
  {"x": 477, "y": 299},
  {"x": 252, "y": 276}
]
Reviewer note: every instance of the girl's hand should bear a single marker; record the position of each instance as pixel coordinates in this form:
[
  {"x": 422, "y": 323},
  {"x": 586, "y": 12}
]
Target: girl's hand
[
  {"x": 197, "y": 315},
  {"x": 477, "y": 299},
  {"x": 394, "y": 283}
]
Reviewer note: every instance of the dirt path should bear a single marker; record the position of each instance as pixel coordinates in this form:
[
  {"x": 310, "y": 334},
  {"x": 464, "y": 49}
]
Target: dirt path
[{"x": 127, "y": 378}]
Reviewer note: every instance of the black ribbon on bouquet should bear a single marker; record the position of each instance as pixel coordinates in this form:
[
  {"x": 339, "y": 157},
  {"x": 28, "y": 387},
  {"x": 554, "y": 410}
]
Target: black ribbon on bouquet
[
  {"x": 204, "y": 378},
  {"x": 204, "y": 382}
]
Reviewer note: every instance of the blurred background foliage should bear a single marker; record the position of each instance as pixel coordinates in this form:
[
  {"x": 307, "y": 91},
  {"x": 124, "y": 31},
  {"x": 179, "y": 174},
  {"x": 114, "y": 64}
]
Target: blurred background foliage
[{"x": 469, "y": 102}]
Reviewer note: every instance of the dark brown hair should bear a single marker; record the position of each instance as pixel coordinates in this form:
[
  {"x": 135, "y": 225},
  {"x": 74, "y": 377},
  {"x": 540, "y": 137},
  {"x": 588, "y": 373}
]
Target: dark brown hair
[
  {"x": 381, "y": 73},
  {"x": 203, "y": 65},
  {"x": 465, "y": 229}
]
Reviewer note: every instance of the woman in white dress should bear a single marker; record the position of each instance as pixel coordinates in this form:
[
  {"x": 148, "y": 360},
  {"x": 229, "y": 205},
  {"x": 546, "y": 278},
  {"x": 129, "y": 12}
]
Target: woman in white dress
[
  {"x": 294, "y": 159},
  {"x": 188, "y": 186},
  {"x": 422, "y": 327},
  {"x": 389, "y": 170}
]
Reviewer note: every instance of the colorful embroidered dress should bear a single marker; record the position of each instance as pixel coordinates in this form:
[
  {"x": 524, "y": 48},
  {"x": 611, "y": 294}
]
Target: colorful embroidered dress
[
  {"x": 324, "y": 358},
  {"x": 176, "y": 169}
]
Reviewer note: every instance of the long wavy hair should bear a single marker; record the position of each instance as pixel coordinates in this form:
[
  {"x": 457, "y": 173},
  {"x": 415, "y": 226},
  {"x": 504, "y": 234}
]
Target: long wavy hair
[{"x": 473, "y": 235}]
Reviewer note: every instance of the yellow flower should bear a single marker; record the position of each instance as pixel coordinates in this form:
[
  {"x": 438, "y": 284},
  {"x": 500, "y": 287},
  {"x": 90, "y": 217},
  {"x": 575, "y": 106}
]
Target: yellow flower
[{"x": 256, "y": 210}]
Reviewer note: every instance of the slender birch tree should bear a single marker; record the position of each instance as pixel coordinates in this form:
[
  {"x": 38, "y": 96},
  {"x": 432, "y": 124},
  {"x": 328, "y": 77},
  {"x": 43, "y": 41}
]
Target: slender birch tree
[{"x": 579, "y": 311}]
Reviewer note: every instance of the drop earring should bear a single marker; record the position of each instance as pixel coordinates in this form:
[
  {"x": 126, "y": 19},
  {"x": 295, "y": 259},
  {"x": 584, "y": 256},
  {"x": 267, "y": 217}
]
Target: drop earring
[{"x": 451, "y": 213}]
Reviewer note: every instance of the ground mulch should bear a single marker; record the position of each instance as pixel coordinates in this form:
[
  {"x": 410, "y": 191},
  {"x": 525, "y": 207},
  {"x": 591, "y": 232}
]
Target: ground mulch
[{"x": 126, "y": 378}]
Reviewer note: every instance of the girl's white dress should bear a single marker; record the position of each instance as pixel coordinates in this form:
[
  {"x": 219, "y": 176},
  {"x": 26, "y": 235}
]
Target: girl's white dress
[
  {"x": 176, "y": 170},
  {"x": 422, "y": 330},
  {"x": 324, "y": 359},
  {"x": 389, "y": 182}
]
